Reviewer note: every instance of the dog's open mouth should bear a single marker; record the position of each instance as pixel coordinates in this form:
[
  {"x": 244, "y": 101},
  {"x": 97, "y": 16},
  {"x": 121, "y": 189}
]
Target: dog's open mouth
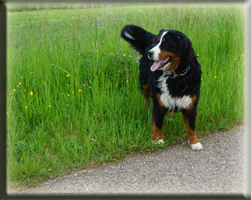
[{"x": 160, "y": 63}]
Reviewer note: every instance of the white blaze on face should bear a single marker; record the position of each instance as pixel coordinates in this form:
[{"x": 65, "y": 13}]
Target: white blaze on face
[{"x": 156, "y": 49}]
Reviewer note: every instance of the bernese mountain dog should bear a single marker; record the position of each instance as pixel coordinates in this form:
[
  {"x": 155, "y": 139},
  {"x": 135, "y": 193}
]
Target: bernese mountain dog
[{"x": 170, "y": 74}]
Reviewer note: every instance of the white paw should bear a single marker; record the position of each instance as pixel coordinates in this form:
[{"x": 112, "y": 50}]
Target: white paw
[
  {"x": 196, "y": 147},
  {"x": 161, "y": 141},
  {"x": 129, "y": 36}
]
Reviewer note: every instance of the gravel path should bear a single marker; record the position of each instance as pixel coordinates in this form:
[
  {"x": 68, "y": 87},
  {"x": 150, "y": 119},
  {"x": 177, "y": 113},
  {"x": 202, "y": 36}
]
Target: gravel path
[{"x": 217, "y": 169}]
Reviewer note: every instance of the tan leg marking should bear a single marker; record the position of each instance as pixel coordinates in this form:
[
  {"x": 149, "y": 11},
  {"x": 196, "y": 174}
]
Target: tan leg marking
[
  {"x": 147, "y": 93},
  {"x": 193, "y": 99},
  {"x": 157, "y": 133},
  {"x": 191, "y": 134}
]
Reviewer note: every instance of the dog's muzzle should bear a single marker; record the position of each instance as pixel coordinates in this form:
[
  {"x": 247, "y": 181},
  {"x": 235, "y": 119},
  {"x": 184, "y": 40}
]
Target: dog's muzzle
[{"x": 150, "y": 55}]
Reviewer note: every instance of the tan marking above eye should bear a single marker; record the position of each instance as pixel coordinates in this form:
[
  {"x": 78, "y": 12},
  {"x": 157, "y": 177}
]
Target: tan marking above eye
[
  {"x": 163, "y": 40},
  {"x": 158, "y": 39}
]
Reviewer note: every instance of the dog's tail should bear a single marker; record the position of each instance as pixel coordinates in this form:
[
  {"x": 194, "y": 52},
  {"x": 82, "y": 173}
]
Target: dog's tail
[{"x": 137, "y": 37}]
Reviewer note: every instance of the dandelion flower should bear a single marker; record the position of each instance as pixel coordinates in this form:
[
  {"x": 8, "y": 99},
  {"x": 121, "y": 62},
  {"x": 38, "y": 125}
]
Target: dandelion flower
[
  {"x": 89, "y": 81},
  {"x": 26, "y": 107},
  {"x": 68, "y": 75},
  {"x": 7, "y": 113},
  {"x": 127, "y": 81},
  {"x": 79, "y": 90},
  {"x": 14, "y": 89},
  {"x": 73, "y": 92},
  {"x": 49, "y": 106},
  {"x": 22, "y": 77},
  {"x": 24, "y": 90},
  {"x": 31, "y": 93},
  {"x": 68, "y": 95},
  {"x": 10, "y": 93},
  {"x": 198, "y": 55},
  {"x": 241, "y": 54},
  {"x": 215, "y": 77},
  {"x": 234, "y": 58},
  {"x": 20, "y": 83}
]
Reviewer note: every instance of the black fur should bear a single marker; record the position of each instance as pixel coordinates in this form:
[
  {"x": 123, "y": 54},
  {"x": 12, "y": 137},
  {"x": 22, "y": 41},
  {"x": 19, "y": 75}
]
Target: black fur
[{"x": 188, "y": 84}]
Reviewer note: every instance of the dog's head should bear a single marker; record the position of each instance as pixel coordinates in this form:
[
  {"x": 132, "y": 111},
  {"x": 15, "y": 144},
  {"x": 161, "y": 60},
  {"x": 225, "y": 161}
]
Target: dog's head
[{"x": 171, "y": 47}]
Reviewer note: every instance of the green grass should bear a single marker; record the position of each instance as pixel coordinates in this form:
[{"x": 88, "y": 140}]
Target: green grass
[{"x": 74, "y": 98}]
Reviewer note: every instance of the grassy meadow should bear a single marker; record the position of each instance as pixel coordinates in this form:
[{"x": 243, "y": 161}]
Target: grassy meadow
[{"x": 73, "y": 94}]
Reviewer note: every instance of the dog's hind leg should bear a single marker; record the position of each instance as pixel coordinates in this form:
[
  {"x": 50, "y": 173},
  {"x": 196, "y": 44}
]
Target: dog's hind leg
[{"x": 147, "y": 93}]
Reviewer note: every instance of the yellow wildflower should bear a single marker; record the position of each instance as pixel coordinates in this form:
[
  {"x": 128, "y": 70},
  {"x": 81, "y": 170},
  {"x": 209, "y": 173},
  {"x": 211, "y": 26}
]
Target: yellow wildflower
[
  {"x": 25, "y": 106},
  {"x": 68, "y": 95},
  {"x": 68, "y": 75},
  {"x": 215, "y": 77},
  {"x": 21, "y": 77},
  {"x": 79, "y": 90},
  {"x": 49, "y": 106},
  {"x": 31, "y": 93},
  {"x": 14, "y": 89},
  {"x": 20, "y": 83}
]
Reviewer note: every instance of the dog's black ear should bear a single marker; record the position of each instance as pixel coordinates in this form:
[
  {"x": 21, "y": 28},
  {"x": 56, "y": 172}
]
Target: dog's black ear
[
  {"x": 162, "y": 30},
  {"x": 181, "y": 43},
  {"x": 137, "y": 37}
]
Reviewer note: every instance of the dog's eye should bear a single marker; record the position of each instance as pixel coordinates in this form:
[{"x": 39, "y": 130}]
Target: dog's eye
[{"x": 165, "y": 44}]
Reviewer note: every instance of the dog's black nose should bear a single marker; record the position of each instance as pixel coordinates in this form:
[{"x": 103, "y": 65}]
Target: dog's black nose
[{"x": 150, "y": 54}]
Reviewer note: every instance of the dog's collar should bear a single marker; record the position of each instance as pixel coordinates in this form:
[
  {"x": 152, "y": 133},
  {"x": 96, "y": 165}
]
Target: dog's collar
[{"x": 174, "y": 75}]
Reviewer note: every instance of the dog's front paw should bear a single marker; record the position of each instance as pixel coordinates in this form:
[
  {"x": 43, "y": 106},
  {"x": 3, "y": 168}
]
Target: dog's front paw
[
  {"x": 161, "y": 141},
  {"x": 196, "y": 147}
]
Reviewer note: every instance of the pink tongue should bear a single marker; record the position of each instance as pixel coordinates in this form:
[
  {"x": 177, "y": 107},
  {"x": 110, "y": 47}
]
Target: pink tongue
[{"x": 155, "y": 65}]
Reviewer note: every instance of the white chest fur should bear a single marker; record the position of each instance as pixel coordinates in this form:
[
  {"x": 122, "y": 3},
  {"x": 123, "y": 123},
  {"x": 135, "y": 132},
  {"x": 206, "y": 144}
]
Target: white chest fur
[{"x": 172, "y": 102}]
